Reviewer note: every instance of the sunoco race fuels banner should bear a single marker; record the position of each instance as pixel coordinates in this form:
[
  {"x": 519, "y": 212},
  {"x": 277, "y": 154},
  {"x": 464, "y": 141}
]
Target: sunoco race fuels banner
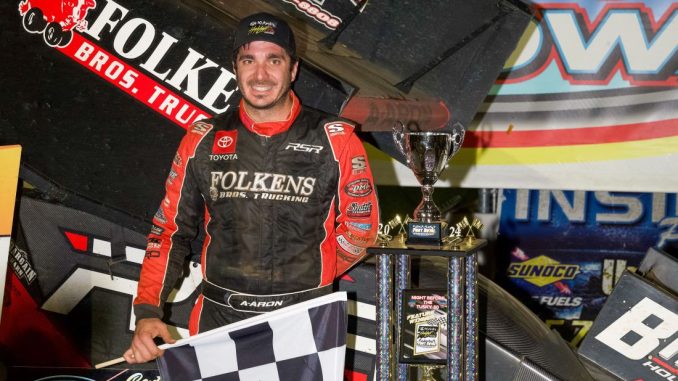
[
  {"x": 588, "y": 101},
  {"x": 562, "y": 252}
]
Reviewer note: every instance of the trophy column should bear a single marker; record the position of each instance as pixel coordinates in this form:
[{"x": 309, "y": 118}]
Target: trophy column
[
  {"x": 384, "y": 323},
  {"x": 462, "y": 328},
  {"x": 402, "y": 281}
]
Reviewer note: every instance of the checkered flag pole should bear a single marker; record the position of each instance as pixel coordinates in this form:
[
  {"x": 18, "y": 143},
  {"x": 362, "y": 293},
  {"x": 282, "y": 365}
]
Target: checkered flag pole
[{"x": 302, "y": 342}]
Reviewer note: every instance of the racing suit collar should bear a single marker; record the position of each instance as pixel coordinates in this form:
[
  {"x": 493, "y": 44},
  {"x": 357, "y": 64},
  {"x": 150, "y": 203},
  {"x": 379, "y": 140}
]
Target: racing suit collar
[{"x": 271, "y": 128}]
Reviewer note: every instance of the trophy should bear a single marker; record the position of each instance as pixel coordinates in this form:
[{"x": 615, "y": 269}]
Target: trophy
[{"x": 427, "y": 154}]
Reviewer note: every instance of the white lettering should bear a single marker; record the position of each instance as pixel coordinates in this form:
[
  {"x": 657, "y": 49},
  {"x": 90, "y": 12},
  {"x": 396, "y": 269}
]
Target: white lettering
[
  {"x": 84, "y": 51},
  {"x": 670, "y": 351},
  {"x": 296, "y": 186},
  {"x": 168, "y": 104},
  {"x": 573, "y": 211},
  {"x": 278, "y": 182},
  {"x": 261, "y": 181},
  {"x": 157, "y": 91},
  {"x": 619, "y": 30},
  {"x": 259, "y": 178},
  {"x": 188, "y": 71},
  {"x": 158, "y": 54},
  {"x": 188, "y": 77},
  {"x": 634, "y": 208},
  {"x": 140, "y": 377},
  {"x": 671, "y": 232},
  {"x": 140, "y": 46},
  {"x": 632, "y": 321},
  {"x": 99, "y": 59},
  {"x": 114, "y": 70},
  {"x": 106, "y": 18},
  {"x": 560, "y": 301},
  {"x": 224, "y": 86},
  {"x": 273, "y": 303},
  {"x": 242, "y": 176},
  {"x": 180, "y": 115},
  {"x": 226, "y": 156},
  {"x": 609, "y": 207},
  {"x": 309, "y": 183}
]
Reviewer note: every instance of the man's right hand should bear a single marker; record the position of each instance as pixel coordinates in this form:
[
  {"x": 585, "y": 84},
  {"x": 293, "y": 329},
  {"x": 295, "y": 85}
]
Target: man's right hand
[{"x": 143, "y": 349}]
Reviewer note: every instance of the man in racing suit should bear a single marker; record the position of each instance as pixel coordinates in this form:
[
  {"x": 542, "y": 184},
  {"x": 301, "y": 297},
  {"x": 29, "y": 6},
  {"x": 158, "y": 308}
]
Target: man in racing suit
[{"x": 285, "y": 194}]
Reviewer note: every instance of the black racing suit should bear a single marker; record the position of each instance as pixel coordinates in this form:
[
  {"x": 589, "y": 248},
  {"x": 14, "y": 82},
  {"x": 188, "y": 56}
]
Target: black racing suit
[{"x": 284, "y": 215}]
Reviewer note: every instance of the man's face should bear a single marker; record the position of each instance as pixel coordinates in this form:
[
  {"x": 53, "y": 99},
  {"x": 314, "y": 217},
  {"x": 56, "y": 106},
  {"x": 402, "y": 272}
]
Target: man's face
[{"x": 265, "y": 72}]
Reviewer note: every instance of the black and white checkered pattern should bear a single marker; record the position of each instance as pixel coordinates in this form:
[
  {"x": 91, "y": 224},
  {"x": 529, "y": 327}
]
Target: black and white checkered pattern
[{"x": 302, "y": 342}]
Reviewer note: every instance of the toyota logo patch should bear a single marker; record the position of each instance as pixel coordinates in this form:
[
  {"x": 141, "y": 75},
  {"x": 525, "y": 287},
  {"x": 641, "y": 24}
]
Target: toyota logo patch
[{"x": 225, "y": 142}]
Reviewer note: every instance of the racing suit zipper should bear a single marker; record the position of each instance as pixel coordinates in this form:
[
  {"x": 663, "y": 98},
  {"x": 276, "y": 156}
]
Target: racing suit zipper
[{"x": 265, "y": 251}]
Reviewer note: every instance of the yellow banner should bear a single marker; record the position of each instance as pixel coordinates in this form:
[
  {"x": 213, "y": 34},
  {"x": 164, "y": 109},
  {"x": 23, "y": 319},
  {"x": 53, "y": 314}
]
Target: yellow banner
[{"x": 9, "y": 177}]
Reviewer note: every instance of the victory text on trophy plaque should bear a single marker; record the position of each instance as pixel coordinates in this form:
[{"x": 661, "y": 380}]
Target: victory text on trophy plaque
[{"x": 427, "y": 154}]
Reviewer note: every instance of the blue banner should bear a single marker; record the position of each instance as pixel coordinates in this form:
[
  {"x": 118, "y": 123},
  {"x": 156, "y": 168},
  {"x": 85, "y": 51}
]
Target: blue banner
[{"x": 563, "y": 251}]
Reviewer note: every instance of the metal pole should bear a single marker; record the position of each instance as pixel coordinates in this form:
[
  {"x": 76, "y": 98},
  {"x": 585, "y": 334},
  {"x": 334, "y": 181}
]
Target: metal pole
[
  {"x": 471, "y": 318},
  {"x": 402, "y": 282},
  {"x": 487, "y": 200},
  {"x": 384, "y": 303},
  {"x": 455, "y": 319}
]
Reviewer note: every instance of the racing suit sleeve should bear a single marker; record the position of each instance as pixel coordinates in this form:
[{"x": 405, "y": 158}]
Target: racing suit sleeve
[
  {"x": 174, "y": 226},
  {"x": 358, "y": 209}
]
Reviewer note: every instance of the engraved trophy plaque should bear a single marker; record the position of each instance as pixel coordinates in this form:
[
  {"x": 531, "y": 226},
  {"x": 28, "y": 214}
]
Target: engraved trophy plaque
[{"x": 427, "y": 154}]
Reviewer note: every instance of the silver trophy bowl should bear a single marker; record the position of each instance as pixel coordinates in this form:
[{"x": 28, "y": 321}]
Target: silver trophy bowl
[{"x": 427, "y": 154}]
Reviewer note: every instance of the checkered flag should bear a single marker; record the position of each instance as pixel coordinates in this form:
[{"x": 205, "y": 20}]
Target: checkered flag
[{"x": 302, "y": 342}]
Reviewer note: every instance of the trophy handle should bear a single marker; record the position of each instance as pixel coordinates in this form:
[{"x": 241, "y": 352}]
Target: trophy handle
[
  {"x": 457, "y": 138},
  {"x": 399, "y": 136}
]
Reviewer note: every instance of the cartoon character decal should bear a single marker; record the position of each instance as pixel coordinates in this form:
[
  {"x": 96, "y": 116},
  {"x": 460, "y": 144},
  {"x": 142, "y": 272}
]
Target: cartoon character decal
[{"x": 55, "y": 19}]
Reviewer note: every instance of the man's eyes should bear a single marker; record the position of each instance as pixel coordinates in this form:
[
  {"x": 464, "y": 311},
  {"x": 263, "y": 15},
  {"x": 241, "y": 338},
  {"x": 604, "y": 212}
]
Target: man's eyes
[{"x": 274, "y": 61}]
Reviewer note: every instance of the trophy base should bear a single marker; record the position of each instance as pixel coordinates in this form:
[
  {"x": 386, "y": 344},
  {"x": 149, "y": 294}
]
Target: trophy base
[{"x": 425, "y": 233}]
